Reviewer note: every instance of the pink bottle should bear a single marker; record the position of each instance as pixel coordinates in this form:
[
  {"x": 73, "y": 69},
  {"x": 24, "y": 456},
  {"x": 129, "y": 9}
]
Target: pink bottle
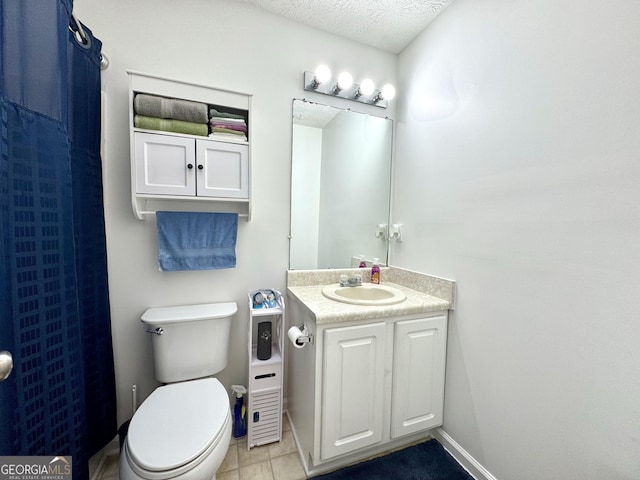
[{"x": 375, "y": 271}]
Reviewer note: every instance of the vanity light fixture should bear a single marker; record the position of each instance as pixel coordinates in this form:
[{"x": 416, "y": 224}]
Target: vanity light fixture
[
  {"x": 345, "y": 81},
  {"x": 321, "y": 81},
  {"x": 366, "y": 88},
  {"x": 320, "y": 76},
  {"x": 388, "y": 92}
]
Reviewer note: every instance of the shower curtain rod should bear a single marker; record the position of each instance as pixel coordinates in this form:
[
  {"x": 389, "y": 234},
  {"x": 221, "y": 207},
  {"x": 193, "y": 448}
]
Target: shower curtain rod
[{"x": 82, "y": 38}]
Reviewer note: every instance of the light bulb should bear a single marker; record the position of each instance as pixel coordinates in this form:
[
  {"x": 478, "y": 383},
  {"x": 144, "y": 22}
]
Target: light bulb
[
  {"x": 367, "y": 87},
  {"x": 388, "y": 92},
  {"x": 345, "y": 80},
  {"x": 322, "y": 74}
]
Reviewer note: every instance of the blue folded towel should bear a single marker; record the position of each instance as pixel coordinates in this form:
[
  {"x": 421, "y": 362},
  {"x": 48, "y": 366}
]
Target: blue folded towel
[{"x": 196, "y": 241}]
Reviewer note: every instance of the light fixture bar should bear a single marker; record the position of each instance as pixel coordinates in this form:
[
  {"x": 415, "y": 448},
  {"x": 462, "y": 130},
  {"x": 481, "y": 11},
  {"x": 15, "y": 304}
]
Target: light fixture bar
[{"x": 351, "y": 93}]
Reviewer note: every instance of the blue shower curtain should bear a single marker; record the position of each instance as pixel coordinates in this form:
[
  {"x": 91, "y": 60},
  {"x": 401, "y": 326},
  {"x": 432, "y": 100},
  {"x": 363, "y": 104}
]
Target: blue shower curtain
[{"x": 54, "y": 304}]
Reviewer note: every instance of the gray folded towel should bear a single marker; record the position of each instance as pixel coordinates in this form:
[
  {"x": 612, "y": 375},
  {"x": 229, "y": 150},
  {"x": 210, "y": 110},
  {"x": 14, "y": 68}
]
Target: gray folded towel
[{"x": 173, "y": 108}]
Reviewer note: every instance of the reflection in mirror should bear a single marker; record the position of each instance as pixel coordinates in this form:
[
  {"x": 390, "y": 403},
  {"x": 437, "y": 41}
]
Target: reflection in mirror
[{"x": 340, "y": 186}]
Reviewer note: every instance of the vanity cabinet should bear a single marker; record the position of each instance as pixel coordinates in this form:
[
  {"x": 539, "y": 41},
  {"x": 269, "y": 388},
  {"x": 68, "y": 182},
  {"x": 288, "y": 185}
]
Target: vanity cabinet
[
  {"x": 371, "y": 378},
  {"x": 419, "y": 355},
  {"x": 184, "y": 172},
  {"x": 175, "y": 165},
  {"x": 352, "y": 387},
  {"x": 381, "y": 381}
]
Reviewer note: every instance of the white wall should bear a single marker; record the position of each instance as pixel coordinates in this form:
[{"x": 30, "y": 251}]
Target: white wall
[
  {"x": 521, "y": 183},
  {"x": 307, "y": 148},
  {"x": 356, "y": 160},
  {"x": 222, "y": 44}
]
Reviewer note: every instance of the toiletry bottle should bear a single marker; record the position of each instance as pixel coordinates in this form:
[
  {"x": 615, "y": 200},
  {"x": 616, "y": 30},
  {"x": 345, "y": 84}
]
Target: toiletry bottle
[
  {"x": 375, "y": 271},
  {"x": 363, "y": 263},
  {"x": 239, "y": 412}
]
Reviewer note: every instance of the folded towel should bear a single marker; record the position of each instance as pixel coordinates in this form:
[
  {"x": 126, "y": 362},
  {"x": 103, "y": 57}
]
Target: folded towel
[
  {"x": 177, "y": 126},
  {"x": 228, "y": 120},
  {"x": 176, "y": 109},
  {"x": 230, "y": 126},
  {"x": 196, "y": 240},
  {"x": 228, "y": 137},
  {"x": 225, "y": 130},
  {"x": 217, "y": 113}
]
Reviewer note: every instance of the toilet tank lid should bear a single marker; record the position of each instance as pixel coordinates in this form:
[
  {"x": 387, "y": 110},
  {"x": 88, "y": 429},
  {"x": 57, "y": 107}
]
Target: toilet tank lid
[{"x": 189, "y": 313}]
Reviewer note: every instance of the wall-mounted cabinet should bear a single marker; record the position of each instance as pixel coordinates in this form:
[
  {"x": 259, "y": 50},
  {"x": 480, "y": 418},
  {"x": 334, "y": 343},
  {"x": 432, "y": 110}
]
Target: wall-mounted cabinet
[
  {"x": 208, "y": 168},
  {"x": 169, "y": 165}
]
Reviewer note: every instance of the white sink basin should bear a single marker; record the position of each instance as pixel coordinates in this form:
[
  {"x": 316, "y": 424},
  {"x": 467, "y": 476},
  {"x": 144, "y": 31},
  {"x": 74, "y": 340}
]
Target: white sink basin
[{"x": 370, "y": 294}]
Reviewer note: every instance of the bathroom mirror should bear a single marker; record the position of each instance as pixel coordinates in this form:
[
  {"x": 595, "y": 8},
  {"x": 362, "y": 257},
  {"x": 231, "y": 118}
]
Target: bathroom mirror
[{"x": 340, "y": 186}]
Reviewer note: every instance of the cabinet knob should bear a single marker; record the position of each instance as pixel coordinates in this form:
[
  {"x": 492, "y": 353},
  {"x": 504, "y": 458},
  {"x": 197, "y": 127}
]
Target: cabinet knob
[
  {"x": 200, "y": 167},
  {"x": 189, "y": 166}
]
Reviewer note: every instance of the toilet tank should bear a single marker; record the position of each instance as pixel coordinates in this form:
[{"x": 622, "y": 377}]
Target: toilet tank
[{"x": 189, "y": 341}]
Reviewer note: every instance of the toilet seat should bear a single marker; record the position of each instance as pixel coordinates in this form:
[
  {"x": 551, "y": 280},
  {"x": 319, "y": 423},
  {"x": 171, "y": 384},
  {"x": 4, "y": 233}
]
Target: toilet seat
[{"x": 176, "y": 427}]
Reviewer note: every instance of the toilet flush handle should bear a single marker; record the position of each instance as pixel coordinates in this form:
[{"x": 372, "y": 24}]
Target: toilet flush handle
[{"x": 157, "y": 331}]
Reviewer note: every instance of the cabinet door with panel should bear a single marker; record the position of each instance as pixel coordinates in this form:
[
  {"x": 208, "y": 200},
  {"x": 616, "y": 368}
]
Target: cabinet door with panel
[
  {"x": 353, "y": 388},
  {"x": 418, "y": 374},
  {"x": 223, "y": 169},
  {"x": 164, "y": 164}
]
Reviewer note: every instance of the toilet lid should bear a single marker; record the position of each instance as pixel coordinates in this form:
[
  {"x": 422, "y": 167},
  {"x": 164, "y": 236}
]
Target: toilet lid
[{"x": 177, "y": 423}]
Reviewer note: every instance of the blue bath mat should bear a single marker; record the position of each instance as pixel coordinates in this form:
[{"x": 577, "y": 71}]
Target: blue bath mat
[{"x": 425, "y": 461}]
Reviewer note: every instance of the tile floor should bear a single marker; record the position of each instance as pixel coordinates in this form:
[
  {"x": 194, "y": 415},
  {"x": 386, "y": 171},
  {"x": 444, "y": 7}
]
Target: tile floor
[{"x": 276, "y": 461}]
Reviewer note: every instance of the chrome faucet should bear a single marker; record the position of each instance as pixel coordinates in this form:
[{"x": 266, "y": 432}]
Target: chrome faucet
[{"x": 353, "y": 281}]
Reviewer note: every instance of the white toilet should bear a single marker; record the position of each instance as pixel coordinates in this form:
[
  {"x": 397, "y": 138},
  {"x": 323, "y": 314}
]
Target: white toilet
[{"x": 183, "y": 429}]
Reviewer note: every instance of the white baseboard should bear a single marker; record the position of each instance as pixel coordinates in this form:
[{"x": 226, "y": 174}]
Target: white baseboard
[{"x": 475, "y": 469}]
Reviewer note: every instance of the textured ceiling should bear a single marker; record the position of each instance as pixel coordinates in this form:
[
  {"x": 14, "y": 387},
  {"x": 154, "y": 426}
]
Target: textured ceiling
[
  {"x": 313, "y": 114},
  {"x": 389, "y": 25}
]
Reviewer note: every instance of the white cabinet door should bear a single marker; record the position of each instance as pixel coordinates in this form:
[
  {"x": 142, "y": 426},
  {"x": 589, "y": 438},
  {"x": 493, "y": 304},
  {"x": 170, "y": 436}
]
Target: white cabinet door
[
  {"x": 165, "y": 165},
  {"x": 418, "y": 375},
  {"x": 223, "y": 169},
  {"x": 353, "y": 388}
]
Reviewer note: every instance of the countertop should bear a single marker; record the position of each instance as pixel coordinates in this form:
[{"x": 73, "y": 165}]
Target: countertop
[{"x": 329, "y": 311}]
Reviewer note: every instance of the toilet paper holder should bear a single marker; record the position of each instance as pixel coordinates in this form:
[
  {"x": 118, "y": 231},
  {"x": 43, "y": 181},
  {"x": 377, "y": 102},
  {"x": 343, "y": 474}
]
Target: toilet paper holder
[{"x": 306, "y": 337}]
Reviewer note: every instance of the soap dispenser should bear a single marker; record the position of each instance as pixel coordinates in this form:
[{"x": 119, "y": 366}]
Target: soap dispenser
[
  {"x": 363, "y": 262},
  {"x": 375, "y": 271},
  {"x": 239, "y": 412}
]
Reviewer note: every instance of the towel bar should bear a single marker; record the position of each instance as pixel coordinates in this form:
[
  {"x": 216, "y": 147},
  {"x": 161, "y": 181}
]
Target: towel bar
[{"x": 150, "y": 212}]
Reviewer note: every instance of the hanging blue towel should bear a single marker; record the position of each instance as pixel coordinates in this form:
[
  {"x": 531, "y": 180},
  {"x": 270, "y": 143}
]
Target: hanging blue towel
[{"x": 196, "y": 241}]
